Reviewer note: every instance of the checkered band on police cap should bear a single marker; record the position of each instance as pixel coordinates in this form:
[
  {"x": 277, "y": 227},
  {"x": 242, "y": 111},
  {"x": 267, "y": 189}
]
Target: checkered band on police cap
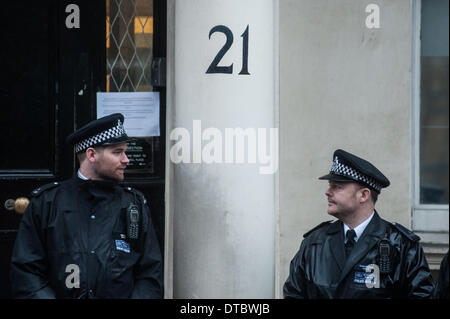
[
  {"x": 113, "y": 132},
  {"x": 341, "y": 169}
]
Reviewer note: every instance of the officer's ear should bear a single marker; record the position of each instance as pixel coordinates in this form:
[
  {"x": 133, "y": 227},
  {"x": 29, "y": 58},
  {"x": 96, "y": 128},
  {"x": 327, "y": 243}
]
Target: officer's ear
[
  {"x": 365, "y": 195},
  {"x": 91, "y": 154},
  {"x": 94, "y": 153}
]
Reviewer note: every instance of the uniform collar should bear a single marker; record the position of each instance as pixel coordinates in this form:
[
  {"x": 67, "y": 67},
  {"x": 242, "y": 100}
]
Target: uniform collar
[
  {"x": 81, "y": 176},
  {"x": 360, "y": 228},
  {"x": 102, "y": 183},
  {"x": 86, "y": 183}
]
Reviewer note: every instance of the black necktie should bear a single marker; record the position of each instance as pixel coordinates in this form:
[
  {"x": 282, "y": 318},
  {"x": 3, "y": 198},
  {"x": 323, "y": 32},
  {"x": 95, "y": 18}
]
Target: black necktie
[{"x": 350, "y": 235}]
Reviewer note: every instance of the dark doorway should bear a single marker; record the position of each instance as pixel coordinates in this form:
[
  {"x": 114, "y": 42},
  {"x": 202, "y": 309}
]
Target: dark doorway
[{"x": 50, "y": 77}]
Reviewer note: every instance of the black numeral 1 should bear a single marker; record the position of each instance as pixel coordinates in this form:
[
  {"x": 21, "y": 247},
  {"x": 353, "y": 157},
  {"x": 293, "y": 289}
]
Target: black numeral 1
[{"x": 244, "y": 69}]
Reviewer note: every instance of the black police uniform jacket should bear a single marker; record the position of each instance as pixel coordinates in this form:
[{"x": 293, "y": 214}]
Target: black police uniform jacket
[
  {"x": 72, "y": 243},
  {"x": 320, "y": 270}
]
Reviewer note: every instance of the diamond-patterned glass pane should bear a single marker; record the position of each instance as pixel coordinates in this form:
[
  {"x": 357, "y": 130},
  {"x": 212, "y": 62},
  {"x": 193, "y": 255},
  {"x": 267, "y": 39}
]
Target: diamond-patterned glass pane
[{"x": 129, "y": 45}]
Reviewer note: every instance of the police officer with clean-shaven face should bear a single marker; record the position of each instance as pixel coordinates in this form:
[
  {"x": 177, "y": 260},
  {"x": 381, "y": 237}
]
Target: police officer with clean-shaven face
[
  {"x": 360, "y": 255},
  {"x": 89, "y": 237}
]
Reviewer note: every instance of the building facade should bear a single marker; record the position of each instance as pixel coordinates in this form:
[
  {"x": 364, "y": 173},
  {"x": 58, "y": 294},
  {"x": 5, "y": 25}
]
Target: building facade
[{"x": 255, "y": 96}]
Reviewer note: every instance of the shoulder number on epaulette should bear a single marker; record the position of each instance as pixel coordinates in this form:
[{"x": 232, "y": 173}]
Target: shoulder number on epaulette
[
  {"x": 38, "y": 191},
  {"x": 405, "y": 231},
  {"x": 136, "y": 192},
  {"x": 317, "y": 227}
]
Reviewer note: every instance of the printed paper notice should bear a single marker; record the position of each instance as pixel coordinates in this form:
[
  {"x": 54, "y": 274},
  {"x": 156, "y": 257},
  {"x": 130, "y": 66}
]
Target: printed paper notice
[{"x": 140, "y": 109}]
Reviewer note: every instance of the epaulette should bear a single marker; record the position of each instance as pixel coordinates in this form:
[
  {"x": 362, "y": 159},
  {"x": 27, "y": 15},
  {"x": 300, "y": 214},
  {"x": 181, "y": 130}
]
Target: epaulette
[
  {"x": 136, "y": 193},
  {"x": 317, "y": 227},
  {"x": 38, "y": 191},
  {"x": 405, "y": 231}
]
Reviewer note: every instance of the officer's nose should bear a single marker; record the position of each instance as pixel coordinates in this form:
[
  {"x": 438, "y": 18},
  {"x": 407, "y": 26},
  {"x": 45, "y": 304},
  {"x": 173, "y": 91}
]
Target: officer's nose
[
  {"x": 125, "y": 159},
  {"x": 328, "y": 192}
]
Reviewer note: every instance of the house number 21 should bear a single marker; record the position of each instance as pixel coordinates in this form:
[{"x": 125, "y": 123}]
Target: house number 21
[{"x": 214, "y": 67}]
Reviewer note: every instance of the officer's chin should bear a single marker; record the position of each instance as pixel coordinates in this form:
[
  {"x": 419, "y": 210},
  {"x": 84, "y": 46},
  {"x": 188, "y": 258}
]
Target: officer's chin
[
  {"x": 114, "y": 177},
  {"x": 331, "y": 209},
  {"x": 120, "y": 175},
  {"x": 332, "y": 212}
]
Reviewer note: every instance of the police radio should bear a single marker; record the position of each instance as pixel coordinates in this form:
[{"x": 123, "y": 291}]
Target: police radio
[
  {"x": 132, "y": 216},
  {"x": 384, "y": 251}
]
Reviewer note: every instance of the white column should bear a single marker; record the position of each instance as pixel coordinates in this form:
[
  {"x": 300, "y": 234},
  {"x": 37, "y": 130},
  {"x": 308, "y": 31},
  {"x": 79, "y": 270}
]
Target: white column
[{"x": 222, "y": 213}]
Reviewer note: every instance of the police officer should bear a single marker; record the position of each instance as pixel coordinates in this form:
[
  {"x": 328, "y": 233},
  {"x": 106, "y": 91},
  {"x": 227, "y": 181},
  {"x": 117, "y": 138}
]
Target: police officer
[
  {"x": 89, "y": 237},
  {"x": 360, "y": 255}
]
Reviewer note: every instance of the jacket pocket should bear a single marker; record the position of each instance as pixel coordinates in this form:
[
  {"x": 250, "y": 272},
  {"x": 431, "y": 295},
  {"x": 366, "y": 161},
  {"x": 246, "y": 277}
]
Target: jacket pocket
[{"x": 123, "y": 258}]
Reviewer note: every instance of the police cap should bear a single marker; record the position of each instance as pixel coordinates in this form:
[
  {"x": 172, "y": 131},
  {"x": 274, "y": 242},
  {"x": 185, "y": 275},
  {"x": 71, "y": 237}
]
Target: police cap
[
  {"x": 107, "y": 130},
  {"x": 347, "y": 167}
]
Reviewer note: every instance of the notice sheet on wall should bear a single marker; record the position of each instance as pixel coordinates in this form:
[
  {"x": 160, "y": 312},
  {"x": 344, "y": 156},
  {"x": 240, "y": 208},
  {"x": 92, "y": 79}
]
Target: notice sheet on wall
[{"x": 140, "y": 109}]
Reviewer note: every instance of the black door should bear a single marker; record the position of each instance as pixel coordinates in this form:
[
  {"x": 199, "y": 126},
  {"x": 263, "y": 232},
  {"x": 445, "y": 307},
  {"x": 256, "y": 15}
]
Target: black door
[{"x": 48, "y": 84}]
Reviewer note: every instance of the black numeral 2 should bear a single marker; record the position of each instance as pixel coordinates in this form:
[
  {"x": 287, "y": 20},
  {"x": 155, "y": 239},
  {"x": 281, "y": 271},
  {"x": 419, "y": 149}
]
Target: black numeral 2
[{"x": 213, "y": 67}]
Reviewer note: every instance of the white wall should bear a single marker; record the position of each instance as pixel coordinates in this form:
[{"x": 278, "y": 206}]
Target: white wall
[{"x": 222, "y": 214}]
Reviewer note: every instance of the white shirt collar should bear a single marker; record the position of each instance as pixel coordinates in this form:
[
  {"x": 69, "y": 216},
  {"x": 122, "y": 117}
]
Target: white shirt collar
[
  {"x": 360, "y": 228},
  {"x": 81, "y": 176}
]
